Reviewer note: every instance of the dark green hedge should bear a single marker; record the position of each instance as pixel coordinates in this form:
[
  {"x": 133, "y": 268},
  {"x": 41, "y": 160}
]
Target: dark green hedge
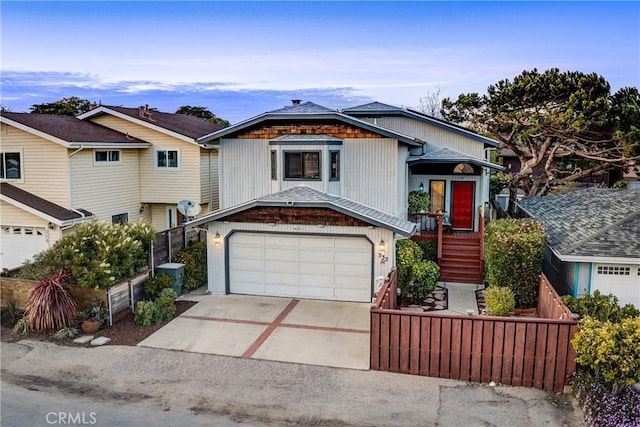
[{"x": 514, "y": 253}]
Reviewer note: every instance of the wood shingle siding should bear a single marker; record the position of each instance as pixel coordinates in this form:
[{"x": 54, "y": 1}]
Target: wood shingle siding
[
  {"x": 310, "y": 216},
  {"x": 336, "y": 130}
]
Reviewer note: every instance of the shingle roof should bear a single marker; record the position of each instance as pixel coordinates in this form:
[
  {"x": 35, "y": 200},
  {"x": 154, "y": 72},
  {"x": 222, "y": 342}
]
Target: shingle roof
[
  {"x": 590, "y": 222},
  {"x": 310, "y": 111},
  {"x": 386, "y": 109},
  {"x": 191, "y": 126},
  {"x": 48, "y": 208},
  {"x": 70, "y": 129},
  {"x": 305, "y": 107},
  {"x": 447, "y": 155},
  {"x": 304, "y": 196}
]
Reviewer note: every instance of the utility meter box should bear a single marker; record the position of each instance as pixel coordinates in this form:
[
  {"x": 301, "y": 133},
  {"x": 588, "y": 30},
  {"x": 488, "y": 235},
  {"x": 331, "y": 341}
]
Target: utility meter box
[{"x": 176, "y": 271}]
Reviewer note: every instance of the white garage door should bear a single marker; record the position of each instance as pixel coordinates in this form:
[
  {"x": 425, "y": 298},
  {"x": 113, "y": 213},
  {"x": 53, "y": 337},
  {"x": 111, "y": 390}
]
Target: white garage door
[
  {"x": 622, "y": 281},
  {"x": 18, "y": 244},
  {"x": 318, "y": 267}
]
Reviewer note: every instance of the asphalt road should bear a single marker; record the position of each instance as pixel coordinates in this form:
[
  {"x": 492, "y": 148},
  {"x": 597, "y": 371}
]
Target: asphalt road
[{"x": 131, "y": 386}]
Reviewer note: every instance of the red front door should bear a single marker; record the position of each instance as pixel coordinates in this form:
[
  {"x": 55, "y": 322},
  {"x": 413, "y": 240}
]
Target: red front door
[{"x": 462, "y": 205}]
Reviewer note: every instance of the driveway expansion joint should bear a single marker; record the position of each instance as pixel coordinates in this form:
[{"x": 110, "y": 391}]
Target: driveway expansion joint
[{"x": 272, "y": 327}]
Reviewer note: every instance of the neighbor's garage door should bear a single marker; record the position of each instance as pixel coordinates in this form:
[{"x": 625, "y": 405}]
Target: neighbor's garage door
[
  {"x": 621, "y": 280},
  {"x": 318, "y": 267},
  {"x": 18, "y": 244}
]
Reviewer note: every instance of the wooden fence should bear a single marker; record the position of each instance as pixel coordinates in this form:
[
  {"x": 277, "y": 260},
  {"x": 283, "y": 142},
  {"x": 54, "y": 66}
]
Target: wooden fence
[
  {"x": 119, "y": 299},
  {"x": 519, "y": 351},
  {"x": 167, "y": 243}
]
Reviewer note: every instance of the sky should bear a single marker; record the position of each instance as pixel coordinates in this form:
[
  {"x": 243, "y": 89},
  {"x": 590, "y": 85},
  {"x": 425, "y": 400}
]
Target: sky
[{"x": 240, "y": 59}]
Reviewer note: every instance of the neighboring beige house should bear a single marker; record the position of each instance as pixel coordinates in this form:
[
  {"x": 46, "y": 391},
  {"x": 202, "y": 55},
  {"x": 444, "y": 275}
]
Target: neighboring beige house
[
  {"x": 175, "y": 168},
  {"x": 58, "y": 171},
  {"x": 313, "y": 200}
]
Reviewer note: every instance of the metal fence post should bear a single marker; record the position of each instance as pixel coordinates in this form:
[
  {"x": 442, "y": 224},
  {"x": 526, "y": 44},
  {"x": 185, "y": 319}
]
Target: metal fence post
[{"x": 110, "y": 307}]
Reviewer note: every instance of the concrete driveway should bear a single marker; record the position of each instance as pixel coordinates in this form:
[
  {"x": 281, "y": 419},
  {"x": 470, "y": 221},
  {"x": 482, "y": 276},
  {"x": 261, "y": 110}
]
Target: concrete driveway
[{"x": 325, "y": 333}]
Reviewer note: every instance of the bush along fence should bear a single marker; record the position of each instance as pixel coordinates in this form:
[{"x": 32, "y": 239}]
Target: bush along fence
[
  {"x": 169, "y": 242},
  {"x": 520, "y": 351},
  {"x": 119, "y": 298}
]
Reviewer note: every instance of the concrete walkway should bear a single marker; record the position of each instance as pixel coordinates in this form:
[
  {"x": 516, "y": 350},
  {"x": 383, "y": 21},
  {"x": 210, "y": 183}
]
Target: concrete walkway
[
  {"x": 462, "y": 297},
  {"x": 325, "y": 333}
]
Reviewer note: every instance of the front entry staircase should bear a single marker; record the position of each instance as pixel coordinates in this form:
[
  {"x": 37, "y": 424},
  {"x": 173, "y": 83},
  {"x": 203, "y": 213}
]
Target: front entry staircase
[{"x": 461, "y": 259}]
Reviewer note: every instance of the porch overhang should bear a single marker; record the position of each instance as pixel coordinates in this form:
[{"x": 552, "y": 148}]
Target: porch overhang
[{"x": 446, "y": 155}]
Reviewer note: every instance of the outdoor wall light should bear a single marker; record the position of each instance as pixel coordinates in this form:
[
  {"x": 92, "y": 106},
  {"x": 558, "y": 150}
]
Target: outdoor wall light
[
  {"x": 421, "y": 187},
  {"x": 216, "y": 238},
  {"x": 382, "y": 245}
]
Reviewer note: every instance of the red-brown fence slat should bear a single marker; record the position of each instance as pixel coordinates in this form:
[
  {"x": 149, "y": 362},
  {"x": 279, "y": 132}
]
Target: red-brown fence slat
[
  {"x": 374, "y": 359},
  {"x": 487, "y": 351},
  {"x": 509, "y": 340},
  {"x": 434, "y": 347},
  {"x": 405, "y": 339},
  {"x": 414, "y": 353},
  {"x": 530, "y": 354},
  {"x": 465, "y": 359},
  {"x": 456, "y": 348},
  {"x": 476, "y": 351},
  {"x": 394, "y": 344},
  {"x": 541, "y": 351},
  {"x": 550, "y": 357},
  {"x": 497, "y": 352},
  {"x": 518, "y": 354},
  {"x": 384, "y": 342},
  {"x": 424, "y": 347},
  {"x": 445, "y": 348}
]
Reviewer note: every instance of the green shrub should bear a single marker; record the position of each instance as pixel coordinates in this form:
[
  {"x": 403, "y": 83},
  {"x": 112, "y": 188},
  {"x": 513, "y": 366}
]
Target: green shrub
[
  {"x": 194, "y": 258},
  {"x": 497, "y": 183},
  {"x": 429, "y": 250},
  {"x": 610, "y": 350},
  {"x": 67, "y": 332},
  {"x": 165, "y": 305},
  {"x": 49, "y": 305},
  {"x": 599, "y": 306},
  {"x": 22, "y": 326},
  {"x": 146, "y": 313},
  {"x": 500, "y": 300},
  {"x": 425, "y": 276},
  {"x": 418, "y": 201},
  {"x": 96, "y": 255},
  {"x": 408, "y": 253},
  {"x": 154, "y": 286},
  {"x": 96, "y": 312},
  {"x": 514, "y": 253}
]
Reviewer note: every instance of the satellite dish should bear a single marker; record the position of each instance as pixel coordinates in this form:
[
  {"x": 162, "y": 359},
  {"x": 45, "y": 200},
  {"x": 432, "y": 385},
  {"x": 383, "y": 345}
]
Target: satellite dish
[{"x": 188, "y": 208}]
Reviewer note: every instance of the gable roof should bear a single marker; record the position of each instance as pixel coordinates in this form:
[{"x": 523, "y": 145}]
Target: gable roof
[
  {"x": 69, "y": 131},
  {"x": 448, "y": 155},
  {"x": 307, "y": 197},
  {"x": 310, "y": 111},
  {"x": 182, "y": 124},
  {"x": 590, "y": 222},
  {"x": 41, "y": 207},
  {"x": 381, "y": 109}
]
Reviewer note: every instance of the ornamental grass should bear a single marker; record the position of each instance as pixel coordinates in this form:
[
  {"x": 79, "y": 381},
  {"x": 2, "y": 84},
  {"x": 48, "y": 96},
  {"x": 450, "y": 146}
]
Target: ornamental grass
[{"x": 50, "y": 305}]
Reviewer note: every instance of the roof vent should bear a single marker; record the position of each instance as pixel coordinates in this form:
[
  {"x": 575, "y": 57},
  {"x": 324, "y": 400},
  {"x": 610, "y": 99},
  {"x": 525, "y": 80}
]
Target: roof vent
[{"x": 295, "y": 102}]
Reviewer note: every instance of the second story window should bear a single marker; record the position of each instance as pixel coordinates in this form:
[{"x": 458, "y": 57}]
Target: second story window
[
  {"x": 105, "y": 157},
  {"x": 167, "y": 159},
  {"x": 11, "y": 167},
  {"x": 334, "y": 165},
  {"x": 302, "y": 165}
]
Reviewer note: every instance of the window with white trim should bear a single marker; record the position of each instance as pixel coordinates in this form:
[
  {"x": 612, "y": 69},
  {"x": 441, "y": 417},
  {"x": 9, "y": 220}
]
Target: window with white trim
[
  {"x": 167, "y": 159},
  {"x": 302, "y": 165},
  {"x": 11, "y": 166},
  {"x": 106, "y": 157},
  {"x": 609, "y": 270}
]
